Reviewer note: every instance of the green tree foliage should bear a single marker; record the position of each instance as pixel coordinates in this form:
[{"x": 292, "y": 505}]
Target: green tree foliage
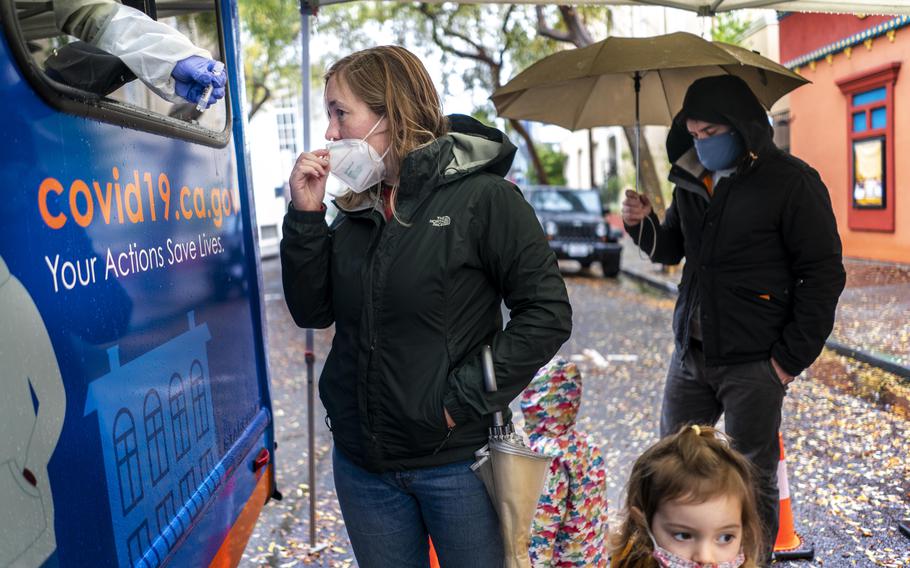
[
  {"x": 270, "y": 36},
  {"x": 554, "y": 164},
  {"x": 729, "y": 27}
]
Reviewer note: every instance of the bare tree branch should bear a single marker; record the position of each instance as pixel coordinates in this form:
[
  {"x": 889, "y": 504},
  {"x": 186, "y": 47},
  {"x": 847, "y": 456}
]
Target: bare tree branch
[
  {"x": 507, "y": 44},
  {"x": 479, "y": 55},
  {"x": 577, "y": 30},
  {"x": 546, "y": 31},
  {"x": 261, "y": 94},
  {"x": 532, "y": 151}
]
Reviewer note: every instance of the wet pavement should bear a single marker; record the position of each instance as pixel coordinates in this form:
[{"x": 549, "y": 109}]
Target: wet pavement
[{"x": 846, "y": 437}]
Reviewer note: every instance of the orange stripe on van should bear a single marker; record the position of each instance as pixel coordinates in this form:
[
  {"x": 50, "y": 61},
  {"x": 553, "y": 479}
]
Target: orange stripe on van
[
  {"x": 765, "y": 296},
  {"x": 231, "y": 550}
]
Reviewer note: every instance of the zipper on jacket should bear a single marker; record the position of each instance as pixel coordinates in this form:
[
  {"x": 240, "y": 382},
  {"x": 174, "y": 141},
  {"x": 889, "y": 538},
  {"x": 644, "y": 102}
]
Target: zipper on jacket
[
  {"x": 444, "y": 441},
  {"x": 379, "y": 221}
]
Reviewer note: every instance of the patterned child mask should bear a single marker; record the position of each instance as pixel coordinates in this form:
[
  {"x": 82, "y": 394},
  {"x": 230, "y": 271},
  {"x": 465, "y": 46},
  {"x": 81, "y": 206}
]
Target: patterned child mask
[{"x": 667, "y": 559}]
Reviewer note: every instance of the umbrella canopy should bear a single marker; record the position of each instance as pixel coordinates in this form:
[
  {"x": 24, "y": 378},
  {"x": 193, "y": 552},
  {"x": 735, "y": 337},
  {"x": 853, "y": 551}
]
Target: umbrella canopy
[
  {"x": 513, "y": 475},
  {"x": 596, "y": 85}
]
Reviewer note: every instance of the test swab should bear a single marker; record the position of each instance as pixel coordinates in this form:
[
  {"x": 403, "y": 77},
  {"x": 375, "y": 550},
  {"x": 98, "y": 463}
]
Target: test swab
[{"x": 207, "y": 92}]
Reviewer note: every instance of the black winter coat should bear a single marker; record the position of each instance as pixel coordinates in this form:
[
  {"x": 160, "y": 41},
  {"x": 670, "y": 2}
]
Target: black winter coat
[
  {"x": 763, "y": 256},
  {"x": 412, "y": 305}
]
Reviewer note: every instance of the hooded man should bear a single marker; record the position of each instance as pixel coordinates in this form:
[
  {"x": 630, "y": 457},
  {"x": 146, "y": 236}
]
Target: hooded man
[{"x": 762, "y": 276}]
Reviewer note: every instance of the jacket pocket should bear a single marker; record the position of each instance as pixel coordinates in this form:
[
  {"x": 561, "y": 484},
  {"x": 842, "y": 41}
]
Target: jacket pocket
[
  {"x": 748, "y": 320},
  {"x": 765, "y": 296}
]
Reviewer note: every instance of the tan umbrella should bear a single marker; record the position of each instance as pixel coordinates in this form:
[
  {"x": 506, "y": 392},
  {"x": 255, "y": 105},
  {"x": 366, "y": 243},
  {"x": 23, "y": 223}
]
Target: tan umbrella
[
  {"x": 595, "y": 85},
  {"x": 633, "y": 81},
  {"x": 513, "y": 475}
]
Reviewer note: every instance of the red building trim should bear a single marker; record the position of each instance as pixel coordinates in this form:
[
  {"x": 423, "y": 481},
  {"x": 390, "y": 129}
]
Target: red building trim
[
  {"x": 808, "y": 32},
  {"x": 884, "y": 76}
]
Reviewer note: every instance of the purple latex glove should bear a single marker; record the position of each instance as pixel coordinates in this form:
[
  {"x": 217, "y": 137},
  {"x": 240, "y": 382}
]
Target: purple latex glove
[{"x": 193, "y": 74}]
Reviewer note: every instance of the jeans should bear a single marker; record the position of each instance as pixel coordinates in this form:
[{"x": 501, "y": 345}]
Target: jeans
[
  {"x": 389, "y": 515},
  {"x": 750, "y": 396}
]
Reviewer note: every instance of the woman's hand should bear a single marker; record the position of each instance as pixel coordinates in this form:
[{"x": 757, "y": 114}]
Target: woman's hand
[
  {"x": 308, "y": 179},
  {"x": 635, "y": 207}
]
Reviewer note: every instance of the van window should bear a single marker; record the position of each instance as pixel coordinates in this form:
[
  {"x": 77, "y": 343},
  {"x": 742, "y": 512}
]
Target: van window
[{"x": 77, "y": 69}]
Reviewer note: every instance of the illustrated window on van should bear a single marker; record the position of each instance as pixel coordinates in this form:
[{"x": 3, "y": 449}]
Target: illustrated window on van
[{"x": 64, "y": 39}]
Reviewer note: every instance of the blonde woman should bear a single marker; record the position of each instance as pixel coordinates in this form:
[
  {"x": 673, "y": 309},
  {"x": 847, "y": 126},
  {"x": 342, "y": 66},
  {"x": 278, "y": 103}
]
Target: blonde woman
[{"x": 430, "y": 240}]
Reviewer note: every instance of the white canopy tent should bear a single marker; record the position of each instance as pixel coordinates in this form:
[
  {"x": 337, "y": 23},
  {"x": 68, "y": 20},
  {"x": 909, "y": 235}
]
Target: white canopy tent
[{"x": 712, "y": 7}]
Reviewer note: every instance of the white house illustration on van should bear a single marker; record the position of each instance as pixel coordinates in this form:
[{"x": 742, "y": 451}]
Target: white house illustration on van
[
  {"x": 157, "y": 429},
  {"x": 32, "y": 408}
]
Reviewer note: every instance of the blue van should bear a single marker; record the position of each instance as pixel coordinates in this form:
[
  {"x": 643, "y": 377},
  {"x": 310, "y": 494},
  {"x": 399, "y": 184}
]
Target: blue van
[{"x": 135, "y": 415}]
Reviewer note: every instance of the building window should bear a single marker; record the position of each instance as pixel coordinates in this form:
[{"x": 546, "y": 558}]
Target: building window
[
  {"x": 126, "y": 452},
  {"x": 868, "y": 182},
  {"x": 206, "y": 463},
  {"x": 187, "y": 486},
  {"x": 165, "y": 511},
  {"x": 781, "y": 123},
  {"x": 870, "y": 126},
  {"x": 180, "y": 424},
  {"x": 155, "y": 439},
  {"x": 268, "y": 232},
  {"x": 200, "y": 401},
  {"x": 287, "y": 130},
  {"x": 138, "y": 542}
]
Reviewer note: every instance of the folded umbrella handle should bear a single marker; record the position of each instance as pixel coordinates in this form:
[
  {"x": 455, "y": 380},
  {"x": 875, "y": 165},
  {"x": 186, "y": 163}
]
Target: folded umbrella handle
[{"x": 489, "y": 379}]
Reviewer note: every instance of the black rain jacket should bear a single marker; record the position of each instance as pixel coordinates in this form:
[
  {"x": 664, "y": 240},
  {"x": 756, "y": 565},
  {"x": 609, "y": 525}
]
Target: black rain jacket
[
  {"x": 413, "y": 305},
  {"x": 763, "y": 256}
]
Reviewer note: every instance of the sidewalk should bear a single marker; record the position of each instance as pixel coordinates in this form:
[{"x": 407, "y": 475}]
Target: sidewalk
[{"x": 873, "y": 314}]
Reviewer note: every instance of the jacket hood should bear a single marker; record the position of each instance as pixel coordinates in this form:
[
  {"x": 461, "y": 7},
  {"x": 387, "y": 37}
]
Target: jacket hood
[
  {"x": 550, "y": 403},
  {"x": 722, "y": 99},
  {"x": 468, "y": 147}
]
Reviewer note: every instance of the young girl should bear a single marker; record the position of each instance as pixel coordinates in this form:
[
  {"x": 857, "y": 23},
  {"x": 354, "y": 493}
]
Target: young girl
[
  {"x": 571, "y": 522},
  {"x": 690, "y": 503}
]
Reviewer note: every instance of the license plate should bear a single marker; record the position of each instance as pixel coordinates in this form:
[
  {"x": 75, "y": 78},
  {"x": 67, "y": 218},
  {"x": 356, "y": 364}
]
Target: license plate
[{"x": 578, "y": 250}]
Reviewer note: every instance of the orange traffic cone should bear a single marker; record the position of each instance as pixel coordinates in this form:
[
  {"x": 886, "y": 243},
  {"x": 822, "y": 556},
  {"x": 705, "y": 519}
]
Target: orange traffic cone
[
  {"x": 434, "y": 562},
  {"x": 789, "y": 545}
]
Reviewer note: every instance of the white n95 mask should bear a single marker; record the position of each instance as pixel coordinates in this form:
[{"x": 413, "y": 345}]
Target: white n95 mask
[{"x": 356, "y": 163}]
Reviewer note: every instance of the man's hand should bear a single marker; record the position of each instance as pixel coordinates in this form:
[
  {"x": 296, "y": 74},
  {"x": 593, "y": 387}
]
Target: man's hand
[
  {"x": 784, "y": 377},
  {"x": 449, "y": 422},
  {"x": 635, "y": 207}
]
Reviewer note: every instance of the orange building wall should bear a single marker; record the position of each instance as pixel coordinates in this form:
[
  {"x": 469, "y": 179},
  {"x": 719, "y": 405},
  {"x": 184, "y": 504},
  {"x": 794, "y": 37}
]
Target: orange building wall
[{"x": 818, "y": 135}]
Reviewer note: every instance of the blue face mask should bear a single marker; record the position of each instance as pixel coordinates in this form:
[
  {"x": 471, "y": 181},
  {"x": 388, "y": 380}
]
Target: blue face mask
[{"x": 720, "y": 152}]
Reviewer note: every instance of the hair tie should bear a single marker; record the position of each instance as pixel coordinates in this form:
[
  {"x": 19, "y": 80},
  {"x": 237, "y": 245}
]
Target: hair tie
[{"x": 696, "y": 429}]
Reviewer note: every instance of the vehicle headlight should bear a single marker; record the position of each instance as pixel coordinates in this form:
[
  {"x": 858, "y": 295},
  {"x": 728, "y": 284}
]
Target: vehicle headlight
[
  {"x": 551, "y": 228},
  {"x": 601, "y": 230}
]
